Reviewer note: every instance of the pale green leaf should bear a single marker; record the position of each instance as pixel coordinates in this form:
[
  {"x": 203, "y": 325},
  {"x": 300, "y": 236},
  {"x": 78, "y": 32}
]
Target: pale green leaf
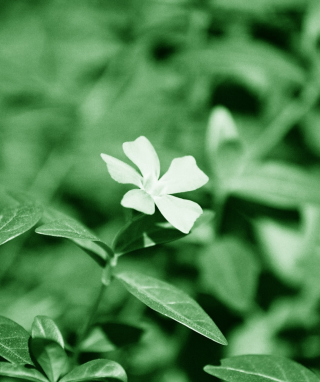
[
  {"x": 44, "y": 327},
  {"x": 172, "y": 302},
  {"x": 97, "y": 342},
  {"x": 261, "y": 368},
  {"x": 17, "y": 220},
  {"x": 251, "y": 61},
  {"x": 145, "y": 231},
  {"x": 51, "y": 357},
  {"x": 69, "y": 228},
  {"x": 21, "y": 372},
  {"x": 278, "y": 184},
  {"x": 224, "y": 147},
  {"x": 14, "y": 342},
  {"x": 229, "y": 270},
  {"x": 97, "y": 370}
]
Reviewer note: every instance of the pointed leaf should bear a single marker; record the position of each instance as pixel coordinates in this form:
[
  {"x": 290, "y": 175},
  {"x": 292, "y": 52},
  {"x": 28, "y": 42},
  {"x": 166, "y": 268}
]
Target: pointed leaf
[
  {"x": 229, "y": 270},
  {"x": 14, "y": 342},
  {"x": 69, "y": 228},
  {"x": 44, "y": 327},
  {"x": 261, "y": 368},
  {"x": 145, "y": 231},
  {"x": 172, "y": 302},
  {"x": 224, "y": 147},
  {"x": 278, "y": 184},
  {"x": 97, "y": 370},
  {"x": 51, "y": 357},
  {"x": 97, "y": 342},
  {"x": 21, "y": 372},
  {"x": 17, "y": 220}
]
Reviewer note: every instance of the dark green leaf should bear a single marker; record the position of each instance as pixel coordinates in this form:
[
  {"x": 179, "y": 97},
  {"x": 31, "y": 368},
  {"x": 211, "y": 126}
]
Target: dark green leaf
[
  {"x": 121, "y": 334},
  {"x": 17, "y": 220},
  {"x": 14, "y": 342},
  {"x": 172, "y": 302},
  {"x": 44, "y": 327},
  {"x": 21, "y": 372},
  {"x": 261, "y": 368},
  {"x": 69, "y": 228},
  {"x": 145, "y": 231},
  {"x": 229, "y": 270},
  {"x": 50, "y": 356},
  {"x": 97, "y": 370},
  {"x": 279, "y": 185}
]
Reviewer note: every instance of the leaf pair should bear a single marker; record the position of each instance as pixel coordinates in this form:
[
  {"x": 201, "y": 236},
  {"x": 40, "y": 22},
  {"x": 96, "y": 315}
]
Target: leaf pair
[
  {"x": 261, "y": 368},
  {"x": 44, "y": 353},
  {"x": 158, "y": 295},
  {"x": 142, "y": 232}
]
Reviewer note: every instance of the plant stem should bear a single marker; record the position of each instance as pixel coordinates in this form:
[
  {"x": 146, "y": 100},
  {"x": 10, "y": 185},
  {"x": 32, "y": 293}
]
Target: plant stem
[
  {"x": 88, "y": 324},
  {"x": 288, "y": 117}
]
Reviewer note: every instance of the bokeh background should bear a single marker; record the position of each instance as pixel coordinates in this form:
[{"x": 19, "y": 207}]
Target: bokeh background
[{"x": 81, "y": 77}]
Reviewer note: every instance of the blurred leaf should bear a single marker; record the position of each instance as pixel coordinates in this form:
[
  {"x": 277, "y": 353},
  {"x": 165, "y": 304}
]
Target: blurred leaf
[
  {"x": 247, "y": 59},
  {"x": 229, "y": 270},
  {"x": 122, "y": 334},
  {"x": 21, "y": 372},
  {"x": 69, "y": 228},
  {"x": 50, "y": 356},
  {"x": 260, "y": 368},
  {"x": 97, "y": 370},
  {"x": 224, "y": 147},
  {"x": 145, "y": 231},
  {"x": 172, "y": 302},
  {"x": 278, "y": 185},
  {"x": 311, "y": 27},
  {"x": 14, "y": 342},
  {"x": 282, "y": 247},
  {"x": 44, "y": 327},
  {"x": 97, "y": 342},
  {"x": 15, "y": 221}
]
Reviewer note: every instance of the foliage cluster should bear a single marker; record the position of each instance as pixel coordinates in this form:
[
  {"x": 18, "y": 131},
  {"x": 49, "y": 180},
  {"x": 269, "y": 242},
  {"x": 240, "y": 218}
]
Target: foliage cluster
[{"x": 235, "y": 84}]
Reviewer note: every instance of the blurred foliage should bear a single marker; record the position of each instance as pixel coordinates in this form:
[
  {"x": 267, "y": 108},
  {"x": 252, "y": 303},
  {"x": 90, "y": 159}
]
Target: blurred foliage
[{"x": 81, "y": 77}]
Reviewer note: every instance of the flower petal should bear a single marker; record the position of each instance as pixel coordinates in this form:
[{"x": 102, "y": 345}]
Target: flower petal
[
  {"x": 122, "y": 172},
  {"x": 181, "y": 213},
  {"x": 183, "y": 175},
  {"x": 143, "y": 155},
  {"x": 138, "y": 200}
]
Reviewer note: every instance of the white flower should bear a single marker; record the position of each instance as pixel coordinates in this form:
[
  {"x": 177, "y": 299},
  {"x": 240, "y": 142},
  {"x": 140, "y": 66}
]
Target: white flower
[{"x": 183, "y": 175}]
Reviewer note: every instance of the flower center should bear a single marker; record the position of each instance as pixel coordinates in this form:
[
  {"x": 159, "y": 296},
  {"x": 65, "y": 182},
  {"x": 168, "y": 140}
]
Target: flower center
[{"x": 150, "y": 185}]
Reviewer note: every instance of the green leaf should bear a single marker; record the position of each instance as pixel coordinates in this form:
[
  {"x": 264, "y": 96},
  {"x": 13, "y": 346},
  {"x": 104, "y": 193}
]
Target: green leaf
[
  {"x": 172, "y": 302},
  {"x": 224, "y": 147},
  {"x": 279, "y": 185},
  {"x": 261, "y": 368},
  {"x": 69, "y": 228},
  {"x": 14, "y": 342},
  {"x": 145, "y": 231},
  {"x": 97, "y": 342},
  {"x": 21, "y": 372},
  {"x": 250, "y": 61},
  {"x": 51, "y": 357},
  {"x": 17, "y": 220},
  {"x": 97, "y": 370},
  {"x": 44, "y": 327},
  {"x": 229, "y": 270}
]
